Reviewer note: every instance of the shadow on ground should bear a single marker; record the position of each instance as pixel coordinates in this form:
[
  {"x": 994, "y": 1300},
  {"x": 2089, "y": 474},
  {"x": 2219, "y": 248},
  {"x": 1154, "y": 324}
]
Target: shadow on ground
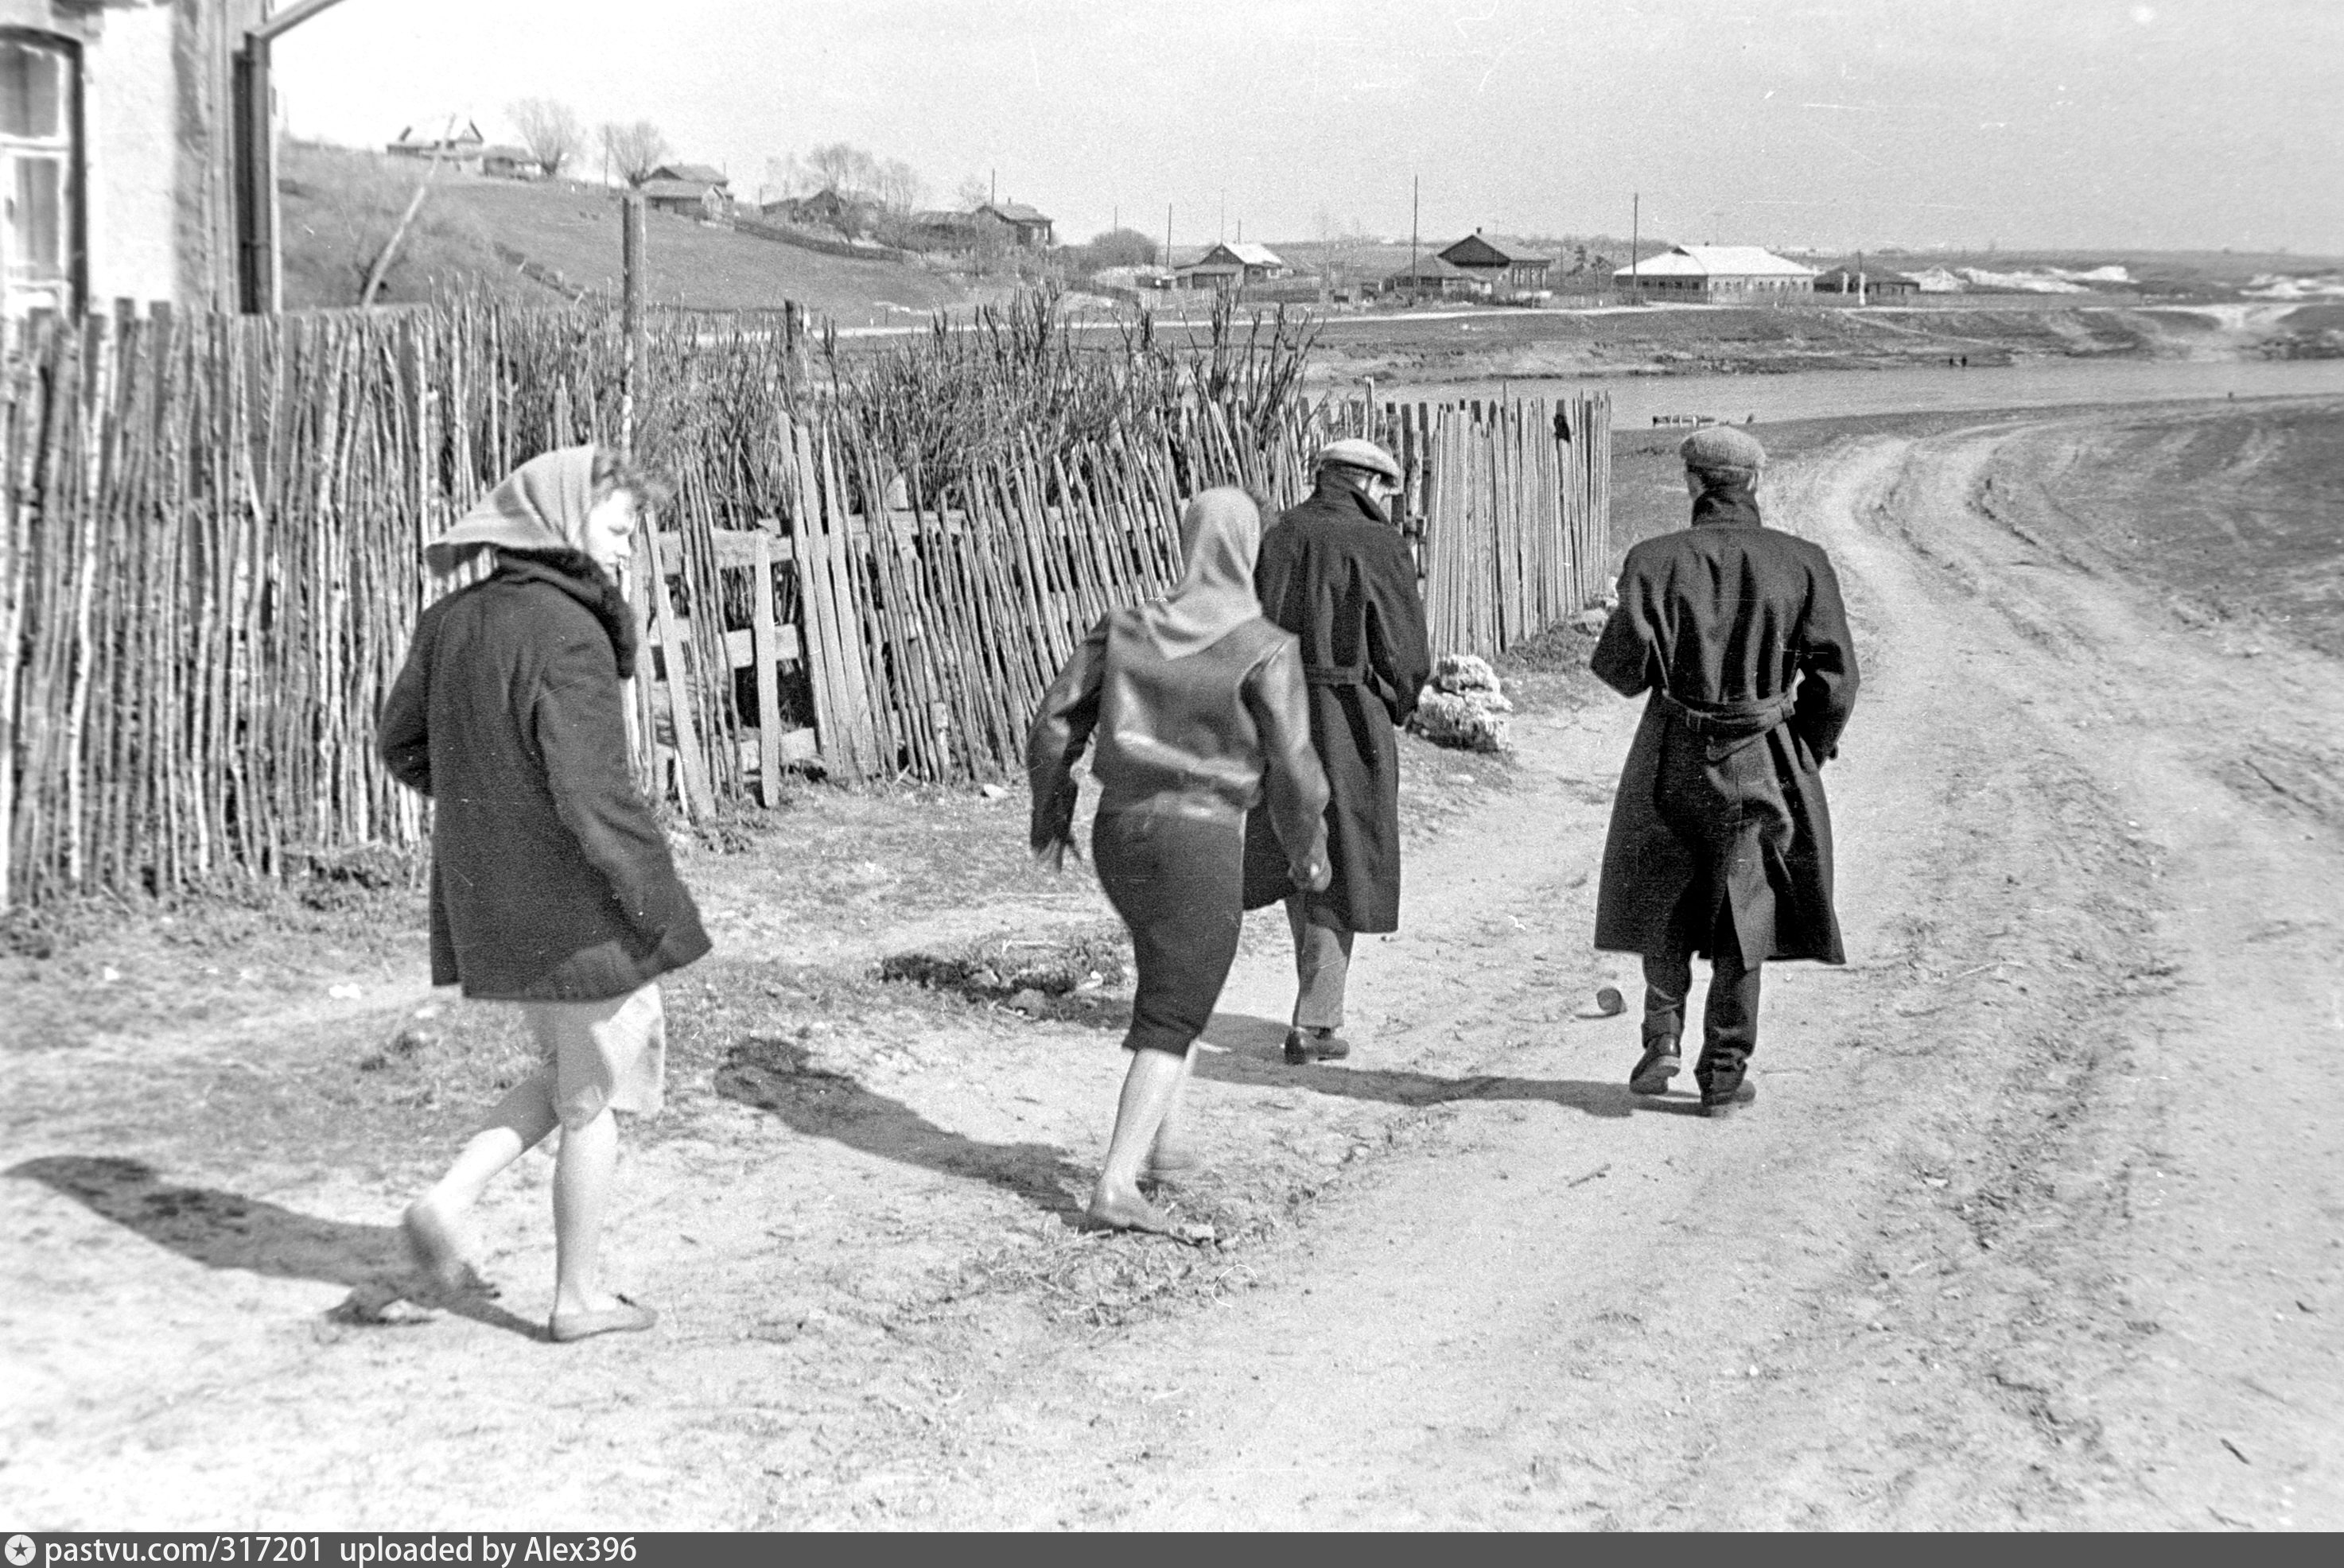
[
  {"x": 228, "y": 1231},
  {"x": 775, "y": 1075},
  {"x": 1253, "y": 1053}
]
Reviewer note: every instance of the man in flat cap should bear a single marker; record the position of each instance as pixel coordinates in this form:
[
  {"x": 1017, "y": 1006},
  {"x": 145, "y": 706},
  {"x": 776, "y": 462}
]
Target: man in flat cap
[
  {"x": 1336, "y": 573},
  {"x": 1720, "y": 841}
]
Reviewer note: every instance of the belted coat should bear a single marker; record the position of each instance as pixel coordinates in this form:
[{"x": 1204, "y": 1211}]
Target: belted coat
[
  {"x": 1738, "y": 632},
  {"x": 1336, "y": 573}
]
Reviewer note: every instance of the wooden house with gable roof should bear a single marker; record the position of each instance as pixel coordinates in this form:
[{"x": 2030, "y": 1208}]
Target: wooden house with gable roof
[{"x": 1503, "y": 269}]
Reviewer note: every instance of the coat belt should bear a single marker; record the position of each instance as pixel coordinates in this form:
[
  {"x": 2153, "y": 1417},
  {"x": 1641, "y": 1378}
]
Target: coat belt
[
  {"x": 1729, "y": 720},
  {"x": 1335, "y": 674},
  {"x": 1728, "y": 726}
]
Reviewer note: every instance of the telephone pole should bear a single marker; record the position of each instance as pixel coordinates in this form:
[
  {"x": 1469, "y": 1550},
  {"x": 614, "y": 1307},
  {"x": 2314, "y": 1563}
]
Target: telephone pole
[
  {"x": 1635, "y": 218},
  {"x": 1415, "y": 208}
]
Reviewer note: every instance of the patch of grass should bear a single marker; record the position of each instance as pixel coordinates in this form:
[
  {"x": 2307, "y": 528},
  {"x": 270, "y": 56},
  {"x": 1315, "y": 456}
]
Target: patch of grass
[{"x": 1000, "y": 966}]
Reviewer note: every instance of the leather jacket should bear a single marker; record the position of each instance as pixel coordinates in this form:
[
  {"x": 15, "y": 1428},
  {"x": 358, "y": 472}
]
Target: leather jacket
[{"x": 1209, "y": 735}]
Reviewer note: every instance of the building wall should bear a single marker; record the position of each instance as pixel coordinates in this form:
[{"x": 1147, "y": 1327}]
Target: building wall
[
  {"x": 205, "y": 37},
  {"x": 130, "y": 88},
  {"x": 154, "y": 169}
]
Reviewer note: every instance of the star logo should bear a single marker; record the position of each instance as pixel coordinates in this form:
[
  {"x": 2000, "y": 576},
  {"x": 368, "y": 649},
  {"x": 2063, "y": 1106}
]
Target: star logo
[{"x": 20, "y": 1551}]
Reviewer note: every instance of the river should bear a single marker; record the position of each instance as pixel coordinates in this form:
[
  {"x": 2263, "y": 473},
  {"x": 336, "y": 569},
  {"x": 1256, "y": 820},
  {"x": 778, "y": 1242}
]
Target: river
[{"x": 1826, "y": 394}]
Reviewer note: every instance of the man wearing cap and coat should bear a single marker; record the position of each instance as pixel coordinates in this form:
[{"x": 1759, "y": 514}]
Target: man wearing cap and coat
[
  {"x": 1720, "y": 839},
  {"x": 1336, "y": 572}
]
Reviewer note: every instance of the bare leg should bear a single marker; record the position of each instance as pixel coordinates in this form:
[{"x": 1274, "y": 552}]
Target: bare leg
[
  {"x": 1171, "y": 1153},
  {"x": 520, "y": 1122},
  {"x": 1149, "y": 1089},
  {"x": 583, "y": 1176}
]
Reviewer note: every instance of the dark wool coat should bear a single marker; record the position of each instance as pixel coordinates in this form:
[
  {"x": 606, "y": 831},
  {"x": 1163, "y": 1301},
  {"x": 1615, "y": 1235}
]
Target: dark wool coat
[
  {"x": 1337, "y": 574},
  {"x": 1738, "y": 631},
  {"x": 551, "y": 880}
]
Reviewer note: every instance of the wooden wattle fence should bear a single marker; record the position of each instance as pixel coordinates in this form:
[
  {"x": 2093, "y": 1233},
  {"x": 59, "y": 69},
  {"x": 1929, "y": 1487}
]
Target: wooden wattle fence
[
  {"x": 210, "y": 563},
  {"x": 1516, "y": 501},
  {"x": 925, "y": 639}
]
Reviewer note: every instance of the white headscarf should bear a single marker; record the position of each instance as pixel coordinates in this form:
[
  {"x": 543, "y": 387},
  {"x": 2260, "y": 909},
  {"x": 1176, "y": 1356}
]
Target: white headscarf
[
  {"x": 1220, "y": 534},
  {"x": 540, "y": 506}
]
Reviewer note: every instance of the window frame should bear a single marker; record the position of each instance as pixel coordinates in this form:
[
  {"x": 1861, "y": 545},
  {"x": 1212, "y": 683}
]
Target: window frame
[{"x": 73, "y": 140}]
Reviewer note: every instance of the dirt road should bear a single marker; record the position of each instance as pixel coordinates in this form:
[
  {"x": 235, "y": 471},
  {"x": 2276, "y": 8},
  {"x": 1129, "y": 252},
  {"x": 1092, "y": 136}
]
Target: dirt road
[{"x": 2037, "y": 1221}]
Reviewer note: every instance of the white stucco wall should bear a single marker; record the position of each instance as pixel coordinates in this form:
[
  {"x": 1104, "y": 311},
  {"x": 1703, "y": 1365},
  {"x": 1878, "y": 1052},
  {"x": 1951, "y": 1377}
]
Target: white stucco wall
[{"x": 130, "y": 113}]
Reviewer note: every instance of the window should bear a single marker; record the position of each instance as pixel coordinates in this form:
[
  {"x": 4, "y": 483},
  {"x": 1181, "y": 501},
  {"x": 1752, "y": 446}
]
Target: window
[{"x": 40, "y": 168}]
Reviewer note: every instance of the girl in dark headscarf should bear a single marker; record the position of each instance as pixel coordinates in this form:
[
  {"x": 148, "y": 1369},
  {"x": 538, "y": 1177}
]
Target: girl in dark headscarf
[
  {"x": 551, "y": 884},
  {"x": 1200, "y": 713}
]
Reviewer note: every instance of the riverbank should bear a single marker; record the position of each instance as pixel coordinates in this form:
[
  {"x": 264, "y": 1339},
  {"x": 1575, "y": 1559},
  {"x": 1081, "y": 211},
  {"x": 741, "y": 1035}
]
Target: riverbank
[{"x": 1481, "y": 347}]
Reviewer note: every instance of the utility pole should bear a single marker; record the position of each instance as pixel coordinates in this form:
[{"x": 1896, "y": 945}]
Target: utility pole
[
  {"x": 1221, "y": 235},
  {"x": 1167, "y": 237},
  {"x": 1635, "y": 219},
  {"x": 1415, "y": 210},
  {"x": 631, "y": 262}
]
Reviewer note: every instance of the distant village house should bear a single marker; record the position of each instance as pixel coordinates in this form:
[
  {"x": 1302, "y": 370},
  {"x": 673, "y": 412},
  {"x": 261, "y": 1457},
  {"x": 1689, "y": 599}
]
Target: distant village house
[
  {"x": 1870, "y": 284},
  {"x": 1430, "y": 277},
  {"x": 701, "y": 174},
  {"x": 1502, "y": 269},
  {"x": 1025, "y": 229},
  {"x": 938, "y": 229},
  {"x": 1716, "y": 271},
  {"x": 826, "y": 209},
  {"x": 1233, "y": 265},
  {"x": 510, "y": 163},
  {"x": 448, "y": 142},
  {"x": 687, "y": 190}
]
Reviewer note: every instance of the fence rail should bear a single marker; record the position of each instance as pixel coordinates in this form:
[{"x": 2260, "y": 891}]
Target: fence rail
[{"x": 211, "y": 540}]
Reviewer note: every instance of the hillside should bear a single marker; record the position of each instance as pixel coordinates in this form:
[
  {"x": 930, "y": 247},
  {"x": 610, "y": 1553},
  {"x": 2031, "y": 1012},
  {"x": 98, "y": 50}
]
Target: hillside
[{"x": 339, "y": 205}]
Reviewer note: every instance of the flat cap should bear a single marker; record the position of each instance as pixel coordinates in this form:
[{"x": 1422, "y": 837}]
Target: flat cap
[
  {"x": 1353, "y": 453},
  {"x": 1716, "y": 447}
]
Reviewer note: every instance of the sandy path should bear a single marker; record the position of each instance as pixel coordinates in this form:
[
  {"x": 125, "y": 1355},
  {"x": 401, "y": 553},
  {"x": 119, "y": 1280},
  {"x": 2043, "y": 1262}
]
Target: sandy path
[{"x": 2005, "y": 1241}]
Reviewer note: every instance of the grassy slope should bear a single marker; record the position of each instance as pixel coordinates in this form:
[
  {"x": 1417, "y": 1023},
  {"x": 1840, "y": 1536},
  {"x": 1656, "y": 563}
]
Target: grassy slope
[
  {"x": 573, "y": 229},
  {"x": 339, "y": 205}
]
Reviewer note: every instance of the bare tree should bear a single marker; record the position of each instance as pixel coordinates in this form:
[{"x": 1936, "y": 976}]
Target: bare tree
[
  {"x": 551, "y": 131},
  {"x": 845, "y": 167},
  {"x": 900, "y": 188},
  {"x": 971, "y": 194},
  {"x": 633, "y": 150},
  {"x": 787, "y": 177}
]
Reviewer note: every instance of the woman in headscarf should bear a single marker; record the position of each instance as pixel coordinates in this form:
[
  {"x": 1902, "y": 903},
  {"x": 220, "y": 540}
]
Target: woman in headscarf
[
  {"x": 1200, "y": 713},
  {"x": 551, "y": 884}
]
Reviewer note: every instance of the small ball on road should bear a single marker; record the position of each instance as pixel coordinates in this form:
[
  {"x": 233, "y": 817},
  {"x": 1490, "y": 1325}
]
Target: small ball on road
[{"x": 1609, "y": 1001}]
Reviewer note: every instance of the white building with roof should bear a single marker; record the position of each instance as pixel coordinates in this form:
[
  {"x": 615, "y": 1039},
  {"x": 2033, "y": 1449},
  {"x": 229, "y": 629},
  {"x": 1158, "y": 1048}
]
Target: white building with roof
[{"x": 1710, "y": 271}]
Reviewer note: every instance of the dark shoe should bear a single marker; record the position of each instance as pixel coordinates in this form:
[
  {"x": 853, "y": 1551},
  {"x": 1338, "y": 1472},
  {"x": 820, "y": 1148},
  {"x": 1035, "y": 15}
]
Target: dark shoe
[
  {"x": 1304, "y": 1045},
  {"x": 1724, "y": 1089},
  {"x": 1659, "y": 1063}
]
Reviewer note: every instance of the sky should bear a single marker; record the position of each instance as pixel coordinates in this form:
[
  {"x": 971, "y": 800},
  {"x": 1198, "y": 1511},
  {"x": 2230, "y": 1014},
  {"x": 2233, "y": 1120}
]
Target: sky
[{"x": 2028, "y": 123}]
